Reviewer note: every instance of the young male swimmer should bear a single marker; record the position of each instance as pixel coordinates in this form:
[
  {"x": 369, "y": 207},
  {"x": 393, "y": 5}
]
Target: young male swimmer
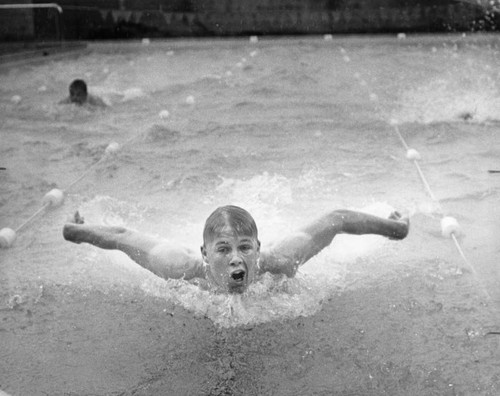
[
  {"x": 231, "y": 257},
  {"x": 78, "y": 94}
]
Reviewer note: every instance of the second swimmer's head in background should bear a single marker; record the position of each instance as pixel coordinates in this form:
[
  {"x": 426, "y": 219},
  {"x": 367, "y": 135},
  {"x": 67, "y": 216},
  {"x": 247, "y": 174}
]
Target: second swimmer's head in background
[
  {"x": 78, "y": 93},
  {"x": 231, "y": 248}
]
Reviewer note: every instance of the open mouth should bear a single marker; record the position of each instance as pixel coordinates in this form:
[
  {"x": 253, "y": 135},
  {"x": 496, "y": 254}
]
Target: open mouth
[{"x": 238, "y": 276}]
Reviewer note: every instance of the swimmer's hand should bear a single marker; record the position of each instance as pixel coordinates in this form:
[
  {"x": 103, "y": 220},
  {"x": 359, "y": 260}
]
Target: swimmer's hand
[
  {"x": 76, "y": 218},
  {"x": 71, "y": 229},
  {"x": 404, "y": 227}
]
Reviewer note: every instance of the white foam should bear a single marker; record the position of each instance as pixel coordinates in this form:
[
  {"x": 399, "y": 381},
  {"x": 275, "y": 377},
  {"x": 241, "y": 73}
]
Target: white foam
[
  {"x": 106, "y": 210},
  {"x": 268, "y": 299},
  {"x": 263, "y": 189},
  {"x": 164, "y": 114},
  {"x": 459, "y": 97},
  {"x": 132, "y": 93}
]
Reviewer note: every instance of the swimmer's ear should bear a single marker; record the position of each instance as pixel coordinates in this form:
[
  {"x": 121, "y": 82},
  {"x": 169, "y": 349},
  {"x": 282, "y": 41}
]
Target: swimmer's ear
[
  {"x": 258, "y": 245},
  {"x": 203, "y": 252}
]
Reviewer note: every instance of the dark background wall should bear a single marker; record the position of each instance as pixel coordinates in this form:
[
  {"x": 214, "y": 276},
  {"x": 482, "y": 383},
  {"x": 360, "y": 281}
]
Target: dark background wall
[{"x": 109, "y": 19}]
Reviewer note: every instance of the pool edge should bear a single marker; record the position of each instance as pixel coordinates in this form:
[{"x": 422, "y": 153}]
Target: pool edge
[{"x": 48, "y": 52}]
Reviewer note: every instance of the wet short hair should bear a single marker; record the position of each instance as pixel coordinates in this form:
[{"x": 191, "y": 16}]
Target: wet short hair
[
  {"x": 79, "y": 85},
  {"x": 233, "y": 216}
]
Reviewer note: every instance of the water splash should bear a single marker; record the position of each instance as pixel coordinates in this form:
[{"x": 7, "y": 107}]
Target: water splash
[
  {"x": 273, "y": 190},
  {"x": 469, "y": 94},
  {"x": 270, "y": 298},
  {"x": 109, "y": 211}
]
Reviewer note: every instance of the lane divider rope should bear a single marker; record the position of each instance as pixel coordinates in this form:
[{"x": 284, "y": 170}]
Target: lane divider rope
[
  {"x": 55, "y": 197},
  {"x": 449, "y": 225}
]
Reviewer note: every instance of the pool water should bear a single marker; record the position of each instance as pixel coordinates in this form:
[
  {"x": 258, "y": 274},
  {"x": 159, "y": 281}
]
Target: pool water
[{"x": 288, "y": 128}]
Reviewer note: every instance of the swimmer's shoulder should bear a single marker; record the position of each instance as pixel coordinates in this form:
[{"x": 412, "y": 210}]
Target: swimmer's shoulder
[
  {"x": 171, "y": 261},
  {"x": 96, "y": 101}
]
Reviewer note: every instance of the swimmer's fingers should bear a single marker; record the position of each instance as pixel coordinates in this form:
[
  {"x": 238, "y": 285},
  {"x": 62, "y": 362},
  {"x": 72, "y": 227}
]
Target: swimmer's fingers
[
  {"x": 79, "y": 219},
  {"x": 76, "y": 218},
  {"x": 399, "y": 217},
  {"x": 395, "y": 215}
]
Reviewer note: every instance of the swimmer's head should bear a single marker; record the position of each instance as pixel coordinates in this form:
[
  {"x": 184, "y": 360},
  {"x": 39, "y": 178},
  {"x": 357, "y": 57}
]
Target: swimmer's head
[
  {"x": 78, "y": 92},
  {"x": 231, "y": 248}
]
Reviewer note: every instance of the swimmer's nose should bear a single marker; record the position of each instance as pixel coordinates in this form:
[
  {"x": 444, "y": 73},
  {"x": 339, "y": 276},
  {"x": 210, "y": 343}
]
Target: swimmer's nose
[{"x": 236, "y": 260}]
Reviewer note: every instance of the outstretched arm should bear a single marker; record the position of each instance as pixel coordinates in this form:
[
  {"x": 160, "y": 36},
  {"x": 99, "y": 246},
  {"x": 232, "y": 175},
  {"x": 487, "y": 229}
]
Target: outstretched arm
[
  {"x": 295, "y": 250},
  {"x": 157, "y": 255}
]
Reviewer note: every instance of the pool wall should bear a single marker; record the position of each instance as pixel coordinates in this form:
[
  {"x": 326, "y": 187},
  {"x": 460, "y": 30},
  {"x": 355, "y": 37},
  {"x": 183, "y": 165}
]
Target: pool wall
[{"x": 93, "y": 19}]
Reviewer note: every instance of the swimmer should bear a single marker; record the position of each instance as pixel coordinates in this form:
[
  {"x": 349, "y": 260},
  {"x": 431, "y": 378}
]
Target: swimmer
[
  {"x": 79, "y": 95},
  {"x": 231, "y": 257}
]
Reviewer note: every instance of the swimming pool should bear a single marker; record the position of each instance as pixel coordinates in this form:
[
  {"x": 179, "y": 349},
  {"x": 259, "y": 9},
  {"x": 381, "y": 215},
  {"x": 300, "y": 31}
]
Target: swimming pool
[{"x": 287, "y": 128}]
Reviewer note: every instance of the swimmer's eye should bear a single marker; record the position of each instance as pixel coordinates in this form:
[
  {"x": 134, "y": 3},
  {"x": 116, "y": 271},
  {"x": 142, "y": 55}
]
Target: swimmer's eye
[
  {"x": 223, "y": 249},
  {"x": 245, "y": 248}
]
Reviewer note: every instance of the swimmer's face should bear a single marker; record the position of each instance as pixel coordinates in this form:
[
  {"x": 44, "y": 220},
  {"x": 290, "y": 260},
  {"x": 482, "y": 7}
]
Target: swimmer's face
[
  {"x": 232, "y": 259},
  {"x": 78, "y": 96}
]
